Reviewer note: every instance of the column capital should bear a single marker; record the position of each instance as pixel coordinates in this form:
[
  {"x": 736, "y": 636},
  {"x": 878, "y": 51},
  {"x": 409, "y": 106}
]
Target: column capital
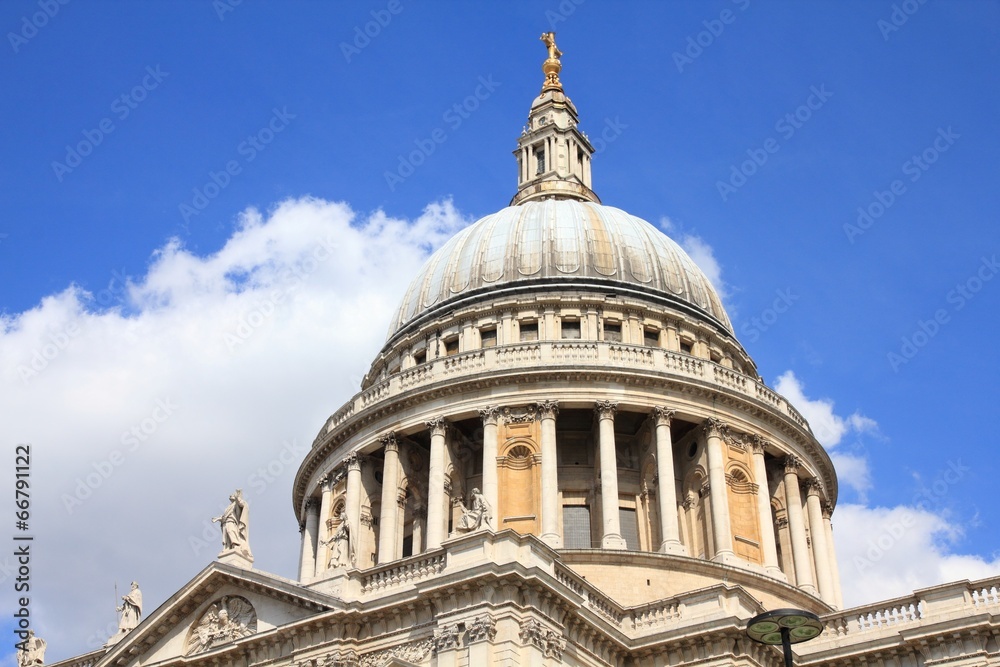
[
  {"x": 437, "y": 426},
  {"x": 605, "y": 409},
  {"x": 490, "y": 415},
  {"x": 792, "y": 464},
  {"x": 662, "y": 415},
  {"x": 312, "y": 504},
  {"x": 827, "y": 508},
  {"x": 390, "y": 442},
  {"x": 547, "y": 409},
  {"x": 715, "y": 427},
  {"x": 355, "y": 460},
  {"x": 757, "y": 444},
  {"x": 326, "y": 482},
  {"x": 814, "y": 487}
]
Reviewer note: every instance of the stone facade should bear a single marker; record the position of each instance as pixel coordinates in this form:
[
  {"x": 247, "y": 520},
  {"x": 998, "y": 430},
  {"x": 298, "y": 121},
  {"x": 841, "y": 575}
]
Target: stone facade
[{"x": 639, "y": 492}]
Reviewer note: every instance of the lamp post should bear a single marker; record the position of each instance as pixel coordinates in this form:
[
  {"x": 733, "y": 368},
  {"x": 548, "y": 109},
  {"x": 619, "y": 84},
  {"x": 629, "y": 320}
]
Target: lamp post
[{"x": 784, "y": 627}]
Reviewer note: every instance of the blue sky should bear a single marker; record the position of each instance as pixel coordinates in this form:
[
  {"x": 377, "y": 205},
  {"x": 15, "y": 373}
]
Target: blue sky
[{"x": 750, "y": 131}]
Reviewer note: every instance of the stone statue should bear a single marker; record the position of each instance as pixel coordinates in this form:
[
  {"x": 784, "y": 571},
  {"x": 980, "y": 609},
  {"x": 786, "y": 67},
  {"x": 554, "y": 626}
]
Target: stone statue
[
  {"x": 342, "y": 553},
  {"x": 31, "y": 651},
  {"x": 131, "y": 614},
  {"x": 234, "y": 522},
  {"x": 550, "y": 41},
  {"x": 477, "y": 514},
  {"x": 131, "y": 609}
]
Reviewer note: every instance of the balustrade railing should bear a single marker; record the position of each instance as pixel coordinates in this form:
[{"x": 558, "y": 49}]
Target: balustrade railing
[{"x": 535, "y": 354}]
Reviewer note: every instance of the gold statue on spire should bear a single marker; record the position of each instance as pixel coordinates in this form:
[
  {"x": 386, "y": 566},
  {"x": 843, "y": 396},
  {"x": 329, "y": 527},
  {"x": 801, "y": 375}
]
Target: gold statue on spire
[{"x": 551, "y": 67}]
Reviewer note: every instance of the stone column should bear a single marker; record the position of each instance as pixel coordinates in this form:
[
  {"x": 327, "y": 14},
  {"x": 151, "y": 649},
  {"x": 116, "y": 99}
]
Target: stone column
[
  {"x": 611, "y": 536},
  {"x": 718, "y": 494},
  {"x": 435, "y": 484},
  {"x": 834, "y": 567},
  {"x": 491, "y": 418},
  {"x": 797, "y": 527},
  {"x": 547, "y": 411},
  {"x": 820, "y": 548},
  {"x": 666, "y": 489},
  {"x": 310, "y": 538},
  {"x": 322, "y": 550},
  {"x": 387, "y": 537},
  {"x": 769, "y": 545},
  {"x": 353, "y": 495}
]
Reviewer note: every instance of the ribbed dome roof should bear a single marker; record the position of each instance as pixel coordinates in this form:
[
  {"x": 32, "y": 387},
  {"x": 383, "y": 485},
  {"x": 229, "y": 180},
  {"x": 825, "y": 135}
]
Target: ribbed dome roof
[{"x": 559, "y": 242}]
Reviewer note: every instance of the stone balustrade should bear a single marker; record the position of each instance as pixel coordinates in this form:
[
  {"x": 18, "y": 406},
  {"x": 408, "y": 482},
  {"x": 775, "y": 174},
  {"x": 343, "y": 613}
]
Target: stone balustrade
[
  {"x": 929, "y": 605},
  {"x": 566, "y": 353}
]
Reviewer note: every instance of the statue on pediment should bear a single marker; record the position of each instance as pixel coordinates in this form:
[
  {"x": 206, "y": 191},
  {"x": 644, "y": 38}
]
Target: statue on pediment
[
  {"x": 31, "y": 651},
  {"x": 235, "y": 524},
  {"x": 476, "y": 515}
]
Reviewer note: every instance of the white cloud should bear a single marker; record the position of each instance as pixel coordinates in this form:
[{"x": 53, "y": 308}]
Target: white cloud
[
  {"x": 828, "y": 427},
  {"x": 889, "y": 552},
  {"x": 215, "y": 372}
]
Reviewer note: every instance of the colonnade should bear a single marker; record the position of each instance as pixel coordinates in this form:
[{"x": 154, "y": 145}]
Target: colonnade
[{"x": 808, "y": 520}]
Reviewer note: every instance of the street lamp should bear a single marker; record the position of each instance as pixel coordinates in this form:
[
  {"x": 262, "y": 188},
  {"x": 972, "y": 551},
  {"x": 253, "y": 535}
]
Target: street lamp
[{"x": 784, "y": 627}]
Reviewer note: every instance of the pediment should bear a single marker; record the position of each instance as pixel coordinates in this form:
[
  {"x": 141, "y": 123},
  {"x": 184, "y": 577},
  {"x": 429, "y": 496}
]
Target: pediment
[{"x": 222, "y": 606}]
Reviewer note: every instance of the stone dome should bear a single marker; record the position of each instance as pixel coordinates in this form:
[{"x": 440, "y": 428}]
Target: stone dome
[{"x": 561, "y": 243}]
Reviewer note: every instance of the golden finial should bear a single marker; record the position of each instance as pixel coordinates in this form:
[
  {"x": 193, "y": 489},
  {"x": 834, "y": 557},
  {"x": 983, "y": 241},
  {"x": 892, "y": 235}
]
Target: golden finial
[{"x": 551, "y": 66}]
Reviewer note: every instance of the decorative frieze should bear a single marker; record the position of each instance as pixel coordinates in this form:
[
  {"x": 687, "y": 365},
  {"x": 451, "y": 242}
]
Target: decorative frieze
[
  {"x": 548, "y": 641},
  {"x": 524, "y": 415},
  {"x": 414, "y": 652},
  {"x": 482, "y": 628},
  {"x": 226, "y": 620}
]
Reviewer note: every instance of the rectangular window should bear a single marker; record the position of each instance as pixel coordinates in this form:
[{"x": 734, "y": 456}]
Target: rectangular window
[
  {"x": 613, "y": 332},
  {"x": 451, "y": 347},
  {"x": 408, "y": 546},
  {"x": 651, "y": 337},
  {"x": 571, "y": 329},
  {"x": 630, "y": 527},
  {"x": 529, "y": 331},
  {"x": 488, "y": 337},
  {"x": 540, "y": 156},
  {"x": 685, "y": 347},
  {"x": 576, "y": 527},
  {"x": 419, "y": 357}
]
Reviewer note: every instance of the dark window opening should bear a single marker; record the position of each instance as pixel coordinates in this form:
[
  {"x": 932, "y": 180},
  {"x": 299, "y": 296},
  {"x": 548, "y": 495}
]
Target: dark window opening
[
  {"x": 488, "y": 337},
  {"x": 613, "y": 332},
  {"x": 529, "y": 331},
  {"x": 571, "y": 329},
  {"x": 685, "y": 347},
  {"x": 420, "y": 357},
  {"x": 651, "y": 337},
  {"x": 576, "y": 527},
  {"x": 451, "y": 347}
]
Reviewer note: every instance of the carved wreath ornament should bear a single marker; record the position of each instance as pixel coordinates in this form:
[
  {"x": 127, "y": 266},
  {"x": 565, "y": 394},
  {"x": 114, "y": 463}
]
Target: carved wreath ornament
[{"x": 226, "y": 620}]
